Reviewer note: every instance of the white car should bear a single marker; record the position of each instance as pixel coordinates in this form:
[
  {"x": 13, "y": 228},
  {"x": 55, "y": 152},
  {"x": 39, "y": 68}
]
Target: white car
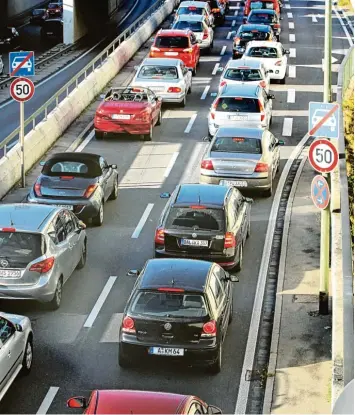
[
  {"x": 167, "y": 78},
  {"x": 27, "y": 65},
  {"x": 242, "y": 71},
  {"x": 320, "y": 114},
  {"x": 273, "y": 56},
  {"x": 16, "y": 349},
  {"x": 201, "y": 8},
  {"x": 204, "y": 33}
]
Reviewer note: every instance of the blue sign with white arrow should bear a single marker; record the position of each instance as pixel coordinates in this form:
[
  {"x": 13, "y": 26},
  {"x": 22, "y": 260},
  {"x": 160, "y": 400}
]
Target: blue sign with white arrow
[{"x": 320, "y": 192}]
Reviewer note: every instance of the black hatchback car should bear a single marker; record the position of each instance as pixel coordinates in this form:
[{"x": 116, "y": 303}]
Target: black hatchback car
[
  {"x": 52, "y": 30},
  {"x": 179, "y": 308},
  {"x": 247, "y": 33},
  {"x": 266, "y": 17},
  {"x": 202, "y": 221},
  {"x": 80, "y": 182}
]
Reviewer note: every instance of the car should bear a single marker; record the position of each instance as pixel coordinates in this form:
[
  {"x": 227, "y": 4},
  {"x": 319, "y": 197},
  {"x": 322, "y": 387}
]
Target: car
[
  {"x": 55, "y": 9},
  {"x": 178, "y": 309},
  {"x": 178, "y": 44},
  {"x": 268, "y": 17},
  {"x": 219, "y": 11},
  {"x": 241, "y": 105},
  {"x": 52, "y": 30},
  {"x": 38, "y": 16},
  {"x": 206, "y": 222},
  {"x": 247, "y": 158},
  {"x": 16, "y": 349},
  {"x": 140, "y": 402},
  {"x": 40, "y": 247},
  {"x": 261, "y": 4},
  {"x": 169, "y": 78},
  {"x": 81, "y": 182},
  {"x": 319, "y": 114},
  {"x": 272, "y": 55},
  {"x": 247, "y": 33},
  {"x": 245, "y": 71},
  {"x": 9, "y": 38},
  {"x": 203, "y": 33},
  {"x": 16, "y": 62},
  {"x": 195, "y": 8},
  {"x": 128, "y": 110}
]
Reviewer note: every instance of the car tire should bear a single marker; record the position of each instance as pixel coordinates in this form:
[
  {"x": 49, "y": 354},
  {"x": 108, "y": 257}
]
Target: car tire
[
  {"x": 149, "y": 136},
  {"x": 249, "y": 229},
  {"x": 99, "y": 135},
  {"x": 123, "y": 361},
  {"x": 98, "y": 220},
  {"x": 194, "y": 71},
  {"x": 216, "y": 367},
  {"x": 283, "y": 80},
  {"x": 231, "y": 313},
  {"x": 183, "y": 102},
  {"x": 27, "y": 358},
  {"x": 54, "y": 304},
  {"x": 82, "y": 261},
  {"x": 160, "y": 118},
  {"x": 239, "y": 265},
  {"x": 114, "y": 194},
  {"x": 277, "y": 38},
  {"x": 268, "y": 192},
  {"x": 190, "y": 89}
]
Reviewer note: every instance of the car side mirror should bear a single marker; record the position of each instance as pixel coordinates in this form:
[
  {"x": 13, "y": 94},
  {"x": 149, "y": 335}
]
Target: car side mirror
[
  {"x": 286, "y": 52},
  {"x": 42, "y": 163},
  {"x": 82, "y": 225},
  {"x": 207, "y": 138},
  {"x": 231, "y": 278},
  {"x": 77, "y": 402},
  {"x": 18, "y": 327},
  {"x": 113, "y": 166},
  {"x": 220, "y": 69},
  {"x": 280, "y": 142},
  {"x": 165, "y": 195},
  {"x": 270, "y": 96},
  {"x": 248, "y": 200},
  {"x": 159, "y": 99},
  {"x": 133, "y": 273},
  {"x": 211, "y": 409}
]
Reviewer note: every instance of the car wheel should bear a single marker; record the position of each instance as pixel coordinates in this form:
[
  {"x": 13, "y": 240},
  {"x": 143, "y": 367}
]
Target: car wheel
[
  {"x": 194, "y": 71},
  {"x": 268, "y": 192},
  {"x": 98, "y": 220},
  {"x": 231, "y": 313},
  {"x": 239, "y": 266},
  {"x": 82, "y": 261},
  {"x": 270, "y": 123},
  {"x": 277, "y": 38},
  {"x": 211, "y": 46},
  {"x": 149, "y": 136},
  {"x": 57, "y": 298},
  {"x": 190, "y": 89},
  {"x": 123, "y": 361},
  {"x": 183, "y": 102},
  {"x": 114, "y": 194},
  {"x": 160, "y": 118},
  {"x": 283, "y": 80},
  {"x": 27, "y": 358},
  {"x": 99, "y": 135},
  {"x": 217, "y": 365},
  {"x": 249, "y": 229}
]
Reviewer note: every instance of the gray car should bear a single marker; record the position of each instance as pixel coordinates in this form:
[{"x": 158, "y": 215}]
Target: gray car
[
  {"x": 40, "y": 247},
  {"x": 242, "y": 157},
  {"x": 16, "y": 349}
]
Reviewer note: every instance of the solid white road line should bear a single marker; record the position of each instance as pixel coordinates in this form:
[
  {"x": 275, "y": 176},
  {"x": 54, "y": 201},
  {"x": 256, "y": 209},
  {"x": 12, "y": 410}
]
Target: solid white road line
[
  {"x": 292, "y": 37},
  {"x": 85, "y": 142},
  {"x": 223, "y": 51},
  {"x": 292, "y": 71},
  {"x": 215, "y": 69},
  {"x": 142, "y": 221},
  {"x": 287, "y": 6},
  {"x": 291, "y": 96},
  {"x": 204, "y": 95},
  {"x": 290, "y": 15},
  {"x": 171, "y": 164},
  {"x": 192, "y": 120},
  {"x": 233, "y": 23},
  {"x": 314, "y": 19},
  {"x": 292, "y": 52},
  {"x": 287, "y": 127},
  {"x": 229, "y": 35},
  {"x": 291, "y": 25},
  {"x": 48, "y": 399},
  {"x": 100, "y": 302}
]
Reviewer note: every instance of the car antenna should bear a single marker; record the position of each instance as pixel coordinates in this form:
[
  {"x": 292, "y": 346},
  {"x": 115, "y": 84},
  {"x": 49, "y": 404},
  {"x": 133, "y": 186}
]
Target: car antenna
[
  {"x": 173, "y": 282},
  {"x": 11, "y": 221},
  {"x": 199, "y": 199}
]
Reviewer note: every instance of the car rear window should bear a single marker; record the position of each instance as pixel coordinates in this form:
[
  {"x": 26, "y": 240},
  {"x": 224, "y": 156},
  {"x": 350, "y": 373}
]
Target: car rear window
[
  {"x": 158, "y": 72},
  {"x": 237, "y": 145},
  {"x": 243, "y": 74},
  {"x": 197, "y": 219},
  {"x": 164, "y": 304},
  {"x": 18, "y": 249},
  {"x": 254, "y": 35},
  {"x": 194, "y": 26},
  {"x": 87, "y": 169},
  {"x": 263, "y": 52},
  {"x": 230, "y": 104},
  {"x": 172, "y": 42},
  {"x": 262, "y": 5},
  {"x": 190, "y": 10},
  {"x": 261, "y": 17}
]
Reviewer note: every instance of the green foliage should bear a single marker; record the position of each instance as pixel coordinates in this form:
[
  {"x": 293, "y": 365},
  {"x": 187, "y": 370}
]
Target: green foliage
[{"x": 346, "y": 4}]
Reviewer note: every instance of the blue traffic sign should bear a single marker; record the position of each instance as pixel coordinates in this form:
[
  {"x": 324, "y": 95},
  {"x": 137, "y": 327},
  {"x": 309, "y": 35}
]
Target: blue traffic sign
[
  {"x": 21, "y": 64},
  {"x": 320, "y": 192},
  {"x": 323, "y": 120}
]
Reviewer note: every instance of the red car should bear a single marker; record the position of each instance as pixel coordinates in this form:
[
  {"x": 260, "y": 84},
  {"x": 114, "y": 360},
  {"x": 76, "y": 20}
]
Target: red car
[
  {"x": 129, "y": 110},
  {"x": 178, "y": 44},
  {"x": 261, "y": 4},
  {"x": 55, "y": 9},
  {"x": 140, "y": 402}
]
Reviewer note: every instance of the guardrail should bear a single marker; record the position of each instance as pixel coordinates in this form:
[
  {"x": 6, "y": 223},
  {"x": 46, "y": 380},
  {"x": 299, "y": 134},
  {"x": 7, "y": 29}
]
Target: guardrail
[{"x": 42, "y": 112}]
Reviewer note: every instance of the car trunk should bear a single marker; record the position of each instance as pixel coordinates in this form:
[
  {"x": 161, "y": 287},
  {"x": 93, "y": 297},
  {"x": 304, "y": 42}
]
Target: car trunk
[
  {"x": 65, "y": 186},
  {"x": 121, "y": 111},
  {"x": 234, "y": 164},
  {"x": 156, "y": 85},
  {"x": 230, "y": 110}
]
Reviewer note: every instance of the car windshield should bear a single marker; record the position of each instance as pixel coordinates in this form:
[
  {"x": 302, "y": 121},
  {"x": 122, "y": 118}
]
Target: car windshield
[
  {"x": 253, "y": 35},
  {"x": 190, "y": 10},
  {"x": 263, "y": 52},
  {"x": 237, "y": 145},
  {"x": 88, "y": 169},
  {"x": 158, "y": 72},
  {"x": 172, "y": 42},
  {"x": 165, "y": 304},
  {"x": 194, "y": 26},
  {"x": 231, "y": 104},
  {"x": 18, "y": 249},
  {"x": 204, "y": 219},
  {"x": 243, "y": 74},
  {"x": 261, "y": 17}
]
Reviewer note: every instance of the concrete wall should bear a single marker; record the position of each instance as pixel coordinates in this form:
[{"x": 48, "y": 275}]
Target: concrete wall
[{"x": 16, "y": 7}]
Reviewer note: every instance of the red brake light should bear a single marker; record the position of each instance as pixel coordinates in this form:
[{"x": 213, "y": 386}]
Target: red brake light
[
  {"x": 66, "y": 177},
  {"x": 128, "y": 325},
  {"x": 154, "y": 49},
  {"x": 278, "y": 63},
  {"x": 261, "y": 168},
  {"x": 37, "y": 189},
  {"x": 223, "y": 83},
  {"x": 207, "y": 165},
  {"x": 244, "y": 67},
  {"x": 43, "y": 266},
  {"x": 197, "y": 207},
  {"x": 209, "y": 329},
  {"x": 277, "y": 26},
  {"x": 90, "y": 190},
  {"x": 205, "y": 34},
  {"x": 8, "y": 229},
  {"x": 237, "y": 40},
  {"x": 159, "y": 236},
  {"x": 215, "y": 10},
  {"x": 229, "y": 240},
  {"x": 174, "y": 89},
  {"x": 171, "y": 290},
  {"x": 188, "y": 50},
  {"x": 263, "y": 84}
]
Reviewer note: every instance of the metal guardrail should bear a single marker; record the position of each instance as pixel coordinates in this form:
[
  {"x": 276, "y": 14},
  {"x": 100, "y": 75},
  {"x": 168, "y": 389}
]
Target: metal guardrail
[{"x": 42, "y": 112}]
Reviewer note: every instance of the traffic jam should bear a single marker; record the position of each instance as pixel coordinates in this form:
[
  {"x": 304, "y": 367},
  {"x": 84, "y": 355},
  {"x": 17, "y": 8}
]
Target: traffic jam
[{"x": 181, "y": 305}]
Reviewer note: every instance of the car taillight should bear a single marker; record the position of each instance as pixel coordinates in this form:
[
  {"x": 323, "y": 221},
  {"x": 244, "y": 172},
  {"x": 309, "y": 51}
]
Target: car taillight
[
  {"x": 278, "y": 63},
  {"x": 90, "y": 190},
  {"x": 223, "y": 83},
  {"x": 209, "y": 329},
  {"x": 128, "y": 325},
  {"x": 66, "y": 177},
  {"x": 154, "y": 49},
  {"x": 229, "y": 240},
  {"x": 236, "y": 40},
  {"x": 174, "y": 89},
  {"x": 43, "y": 266},
  {"x": 261, "y": 168},
  {"x": 205, "y": 34},
  {"x": 143, "y": 116},
  {"x": 263, "y": 84},
  {"x": 159, "y": 236},
  {"x": 215, "y": 10},
  {"x": 262, "y": 113},
  {"x": 207, "y": 165},
  {"x": 37, "y": 189},
  {"x": 8, "y": 230},
  {"x": 188, "y": 50},
  {"x": 277, "y": 26}
]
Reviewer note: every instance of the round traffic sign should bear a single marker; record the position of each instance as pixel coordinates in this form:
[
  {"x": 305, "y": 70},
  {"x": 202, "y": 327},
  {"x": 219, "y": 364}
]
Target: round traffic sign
[
  {"x": 323, "y": 156},
  {"x": 320, "y": 192},
  {"x": 22, "y": 89}
]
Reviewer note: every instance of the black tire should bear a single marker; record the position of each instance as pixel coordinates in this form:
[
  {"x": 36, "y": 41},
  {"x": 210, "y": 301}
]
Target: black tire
[
  {"x": 270, "y": 123},
  {"x": 82, "y": 261},
  {"x": 239, "y": 265},
  {"x": 27, "y": 358},
  {"x": 99, "y": 135},
  {"x": 160, "y": 118},
  {"x": 190, "y": 89},
  {"x": 283, "y": 80},
  {"x": 216, "y": 367},
  {"x": 277, "y": 38},
  {"x": 54, "y": 304},
  {"x": 182, "y": 104},
  {"x": 249, "y": 229},
  {"x": 123, "y": 361},
  {"x": 114, "y": 194},
  {"x": 268, "y": 192},
  {"x": 194, "y": 71},
  {"x": 98, "y": 220},
  {"x": 149, "y": 136}
]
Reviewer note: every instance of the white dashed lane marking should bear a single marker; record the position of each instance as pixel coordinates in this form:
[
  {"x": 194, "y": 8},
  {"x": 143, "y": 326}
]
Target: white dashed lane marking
[
  {"x": 291, "y": 96},
  {"x": 191, "y": 123},
  {"x": 292, "y": 37},
  {"x": 205, "y": 92},
  {"x": 229, "y": 35},
  {"x": 142, "y": 221},
  {"x": 48, "y": 399},
  {"x": 215, "y": 69},
  {"x": 223, "y": 51},
  {"x": 287, "y": 127},
  {"x": 291, "y": 25},
  {"x": 292, "y": 71},
  {"x": 292, "y": 52},
  {"x": 290, "y": 15}
]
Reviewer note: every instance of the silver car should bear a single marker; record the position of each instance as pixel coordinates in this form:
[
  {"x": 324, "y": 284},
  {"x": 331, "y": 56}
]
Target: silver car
[
  {"x": 242, "y": 157},
  {"x": 16, "y": 349},
  {"x": 242, "y": 105},
  {"x": 197, "y": 24},
  {"x": 40, "y": 247}
]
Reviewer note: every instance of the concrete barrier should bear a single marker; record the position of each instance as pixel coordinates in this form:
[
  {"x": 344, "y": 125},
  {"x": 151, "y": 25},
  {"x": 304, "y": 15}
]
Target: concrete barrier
[{"x": 42, "y": 138}]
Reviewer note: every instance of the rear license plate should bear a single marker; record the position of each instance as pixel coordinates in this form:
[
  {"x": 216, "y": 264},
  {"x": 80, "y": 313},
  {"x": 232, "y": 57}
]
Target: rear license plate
[
  {"x": 238, "y": 183},
  {"x": 9, "y": 273},
  {"x": 193, "y": 242},
  {"x": 171, "y": 53},
  {"x": 121, "y": 116},
  {"x": 69, "y": 207},
  {"x": 157, "y": 88},
  {"x": 238, "y": 117},
  {"x": 166, "y": 351}
]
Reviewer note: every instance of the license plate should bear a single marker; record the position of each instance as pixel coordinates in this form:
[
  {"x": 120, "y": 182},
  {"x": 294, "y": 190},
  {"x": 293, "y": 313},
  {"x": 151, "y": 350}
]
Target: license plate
[
  {"x": 157, "y": 88},
  {"x": 171, "y": 53},
  {"x": 238, "y": 117},
  {"x": 193, "y": 242},
  {"x": 238, "y": 183},
  {"x": 121, "y": 116},
  {"x": 166, "y": 351},
  {"x": 9, "y": 273},
  {"x": 69, "y": 207}
]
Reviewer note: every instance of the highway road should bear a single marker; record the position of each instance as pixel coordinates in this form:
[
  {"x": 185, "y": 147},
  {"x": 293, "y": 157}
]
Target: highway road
[{"x": 71, "y": 359}]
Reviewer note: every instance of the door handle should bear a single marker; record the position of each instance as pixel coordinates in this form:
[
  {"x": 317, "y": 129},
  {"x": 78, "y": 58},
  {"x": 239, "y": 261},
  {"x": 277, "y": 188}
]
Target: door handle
[{"x": 9, "y": 353}]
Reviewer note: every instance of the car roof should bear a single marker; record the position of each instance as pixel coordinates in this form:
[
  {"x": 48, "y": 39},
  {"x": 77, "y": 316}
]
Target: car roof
[
  {"x": 201, "y": 194},
  {"x": 173, "y": 32},
  {"x": 75, "y": 156},
  {"x": 246, "y": 90},
  {"x": 199, "y": 4},
  {"x": 263, "y": 43},
  {"x": 251, "y": 63},
  {"x": 25, "y": 216},
  {"x": 191, "y": 18},
  {"x": 263, "y": 11},
  {"x": 161, "y": 61},
  {"x": 240, "y": 132},
  {"x": 259, "y": 27},
  {"x": 189, "y": 274}
]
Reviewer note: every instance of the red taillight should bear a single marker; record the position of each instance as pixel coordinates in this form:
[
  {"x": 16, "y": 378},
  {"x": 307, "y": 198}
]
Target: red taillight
[
  {"x": 128, "y": 325},
  {"x": 262, "y": 113},
  {"x": 277, "y": 26},
  {"x": 261, "y": 168},
  {"x": 197, "y": 207},
  {"x": 188, "y": 50},
  {"x": 223, "y": 83},
  {"x": 66, "y": 177},
  {"x": 205, "y": 34},
  {"x": 174, "y": 89},
  {"x": 90, "y": 190},
  {"x": 8, "y": 229},
  {"x": 43, "y": 266},
  {"x": 154, "y": 49},
  {"x": 263, "y": 84},
  {"x": 171, "y": 290},
  {"x": 209, "y": 329},
  {"x": 207, "y": 165},
  {"x": 143, "y": 116},
  {"x": 215, "y": 10},
  {"x": 37, "y": 189},
  {"x": 159, "y": 236},
  {"x": 229, "y": 240},
  {"x": 237, "y": 40}
]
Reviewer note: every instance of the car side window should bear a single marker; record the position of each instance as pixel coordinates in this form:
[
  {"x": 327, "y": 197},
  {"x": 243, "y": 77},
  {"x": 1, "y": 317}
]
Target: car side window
[
  {"x": 7, "y": 329},
  {"x": 59, "y": 229},
  {"x": 75, "y": 220},
  {"x": 232, "y": 213},
  {"x": 68, "y": 222},
  {"x": 217, "y": 289},
  {"x": 103, "y": 164},
  {"x": 221, "y": 275},
  {"x": 193, "y": 39}
]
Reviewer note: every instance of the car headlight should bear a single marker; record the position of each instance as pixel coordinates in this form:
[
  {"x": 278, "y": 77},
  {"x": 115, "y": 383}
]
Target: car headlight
[{"x": 8, "y": 39}]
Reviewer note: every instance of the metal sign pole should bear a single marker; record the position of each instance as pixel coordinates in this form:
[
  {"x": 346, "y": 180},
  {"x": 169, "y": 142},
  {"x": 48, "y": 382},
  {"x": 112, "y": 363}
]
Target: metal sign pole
[{"x": 22, "y": 143}]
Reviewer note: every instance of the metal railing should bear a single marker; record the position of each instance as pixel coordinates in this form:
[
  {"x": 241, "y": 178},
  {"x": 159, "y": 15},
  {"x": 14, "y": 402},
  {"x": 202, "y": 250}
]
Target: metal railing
[{"x": 42, "y": 113}]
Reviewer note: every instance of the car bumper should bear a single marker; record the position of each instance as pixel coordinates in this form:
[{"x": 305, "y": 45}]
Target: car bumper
[
  {"x": 205, "y": 44},
  {"x": 212, "y": 127},
  {"x": 252, "y": 183},
  {"x": 122, "y": 128},
  {"x": 277, "y": 73},
  {"x": 172, "y": 97}
]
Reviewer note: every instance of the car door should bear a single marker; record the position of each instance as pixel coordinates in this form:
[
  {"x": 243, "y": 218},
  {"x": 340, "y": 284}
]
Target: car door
[
  {"x": 72, "y": 238},
  {"x": 107, "y": 178},
  {"x": 155, "y": 105},
  {"x": 57, "y": 233},
  {"x": 220, "y": 297}
]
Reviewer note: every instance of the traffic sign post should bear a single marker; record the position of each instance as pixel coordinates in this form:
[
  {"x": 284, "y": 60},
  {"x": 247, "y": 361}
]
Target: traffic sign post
[
  {"x": 21, "y": 64},
  {"x": 323, "y": 156},
  {"x": 22, "y": 90}
]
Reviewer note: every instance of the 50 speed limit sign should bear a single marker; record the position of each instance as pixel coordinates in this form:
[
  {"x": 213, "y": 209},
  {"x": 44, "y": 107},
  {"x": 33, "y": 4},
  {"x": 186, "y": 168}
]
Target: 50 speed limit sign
[
  {"x": 323, "y": 156},
  {"x": 22, "y": 89}
]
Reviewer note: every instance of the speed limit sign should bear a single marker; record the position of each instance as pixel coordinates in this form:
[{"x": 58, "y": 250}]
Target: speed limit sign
[
  {"x": 323, "y": 156},
  {"x": 22, "y": 89}
]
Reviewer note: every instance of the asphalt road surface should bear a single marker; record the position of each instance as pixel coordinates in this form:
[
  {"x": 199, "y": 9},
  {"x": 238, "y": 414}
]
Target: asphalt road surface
[{"x": 71, "y": 359}]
